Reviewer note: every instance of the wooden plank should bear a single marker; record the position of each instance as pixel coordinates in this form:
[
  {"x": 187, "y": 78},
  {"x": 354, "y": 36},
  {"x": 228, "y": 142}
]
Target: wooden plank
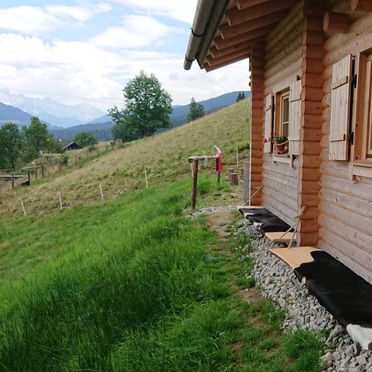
[
  {"x": 296, "y": 256},
  {"x": 281, "y": 237}
]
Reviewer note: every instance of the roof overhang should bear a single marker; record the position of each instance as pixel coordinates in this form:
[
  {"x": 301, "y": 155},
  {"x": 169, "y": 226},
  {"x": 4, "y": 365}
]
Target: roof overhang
[{"x": 224, "y": 31}]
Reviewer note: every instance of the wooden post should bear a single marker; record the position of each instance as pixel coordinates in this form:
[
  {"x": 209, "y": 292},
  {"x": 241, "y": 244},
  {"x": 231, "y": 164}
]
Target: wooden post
[
  {"x": 234, "y": 179},
  {"x": 29, "y": 177},
  {"x": 36, "y": 168},
  {"x": 60, "y": 200},
  {"x": 146, "y": 180},
  {"x": 23, "y": 208},
  {"x": 246, "y": 182},
  {"x": 100, "y": 188},
  {"x": 42, "y": 170},
  {"x": 12, "y": 180},
  {"x": 195, "y": 171}
]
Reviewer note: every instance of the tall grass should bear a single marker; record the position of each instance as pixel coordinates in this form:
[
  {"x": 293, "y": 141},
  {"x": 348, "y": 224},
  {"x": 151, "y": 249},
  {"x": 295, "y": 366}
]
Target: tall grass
[
  {"x": 132, "y": 285},
  {"x": 129, "y": 264}
]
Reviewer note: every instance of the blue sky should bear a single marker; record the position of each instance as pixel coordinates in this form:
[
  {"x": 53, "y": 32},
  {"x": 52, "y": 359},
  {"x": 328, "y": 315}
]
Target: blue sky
[{"x": 85, "y": 51}]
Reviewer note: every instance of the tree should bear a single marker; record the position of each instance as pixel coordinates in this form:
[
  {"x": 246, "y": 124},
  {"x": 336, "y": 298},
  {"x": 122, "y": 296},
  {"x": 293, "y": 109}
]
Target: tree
[
  {"x": 196, "y": 110},
  {"x": 85, "y": 139},
  {"x": 148, "y": 108},
  {"x": 240, "y": 96},
  {"x": 37, "y": 139},
  {"x": 11, "y": 145}
]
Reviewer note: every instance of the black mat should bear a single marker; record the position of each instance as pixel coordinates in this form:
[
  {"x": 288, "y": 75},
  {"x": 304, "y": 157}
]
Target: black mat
[
  {"x": 268, "y": 221},
  {"x": 344, "y": 294}
]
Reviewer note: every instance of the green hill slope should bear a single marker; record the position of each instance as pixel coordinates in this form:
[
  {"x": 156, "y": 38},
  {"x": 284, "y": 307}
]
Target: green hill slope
[
  {"x": 164, "y": 157},
  {"x": 133, "y": 284}
]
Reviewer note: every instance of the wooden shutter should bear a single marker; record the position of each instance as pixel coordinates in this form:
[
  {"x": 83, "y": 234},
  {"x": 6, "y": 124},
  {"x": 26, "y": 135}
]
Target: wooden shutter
[
  {"x": 294, "y": 117},
  {"x": 268, "y": 123},
  {"x": 340, "y": 109}
]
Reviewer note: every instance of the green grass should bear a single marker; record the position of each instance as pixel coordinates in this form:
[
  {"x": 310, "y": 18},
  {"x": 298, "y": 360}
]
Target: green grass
[
  {"x": 121, "y": 171},
  {"x": 132, "y": 285}
]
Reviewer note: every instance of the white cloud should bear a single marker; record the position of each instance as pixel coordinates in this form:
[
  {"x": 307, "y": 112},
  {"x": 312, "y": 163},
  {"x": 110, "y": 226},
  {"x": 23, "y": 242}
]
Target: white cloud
[
  {"x": 136, "y": 31},
  {"x": 180, "y": 10},
  {"x": 94, "y": 71},
  {"x": 83, "y": 73},
  {"x": 39, "y": 20}
]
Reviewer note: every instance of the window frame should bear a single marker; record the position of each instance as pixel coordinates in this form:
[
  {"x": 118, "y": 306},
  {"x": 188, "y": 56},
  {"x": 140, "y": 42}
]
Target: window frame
[
  {"x": 279, "y": 103},
  {"x": 361, "y": 148}
]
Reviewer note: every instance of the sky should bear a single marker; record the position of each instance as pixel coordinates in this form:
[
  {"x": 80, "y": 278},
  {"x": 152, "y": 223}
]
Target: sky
[{"x": 85, "y": 51}]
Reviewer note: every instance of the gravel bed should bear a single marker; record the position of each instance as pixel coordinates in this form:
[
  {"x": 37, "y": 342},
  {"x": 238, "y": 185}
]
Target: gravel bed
[{"x": 278, "y": 283}]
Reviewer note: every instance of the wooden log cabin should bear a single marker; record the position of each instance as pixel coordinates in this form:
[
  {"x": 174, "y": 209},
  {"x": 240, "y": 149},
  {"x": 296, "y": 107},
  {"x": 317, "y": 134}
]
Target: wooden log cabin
[{"x": 310, "y": 65}]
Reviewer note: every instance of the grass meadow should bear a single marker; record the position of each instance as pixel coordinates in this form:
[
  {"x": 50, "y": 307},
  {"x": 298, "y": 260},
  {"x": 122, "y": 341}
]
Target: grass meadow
[
  {"x": 121, "y": 171},
  {"x": 133, "y": 284}
]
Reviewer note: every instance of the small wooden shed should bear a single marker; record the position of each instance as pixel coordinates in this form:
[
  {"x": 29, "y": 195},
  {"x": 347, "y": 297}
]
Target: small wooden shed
[
  {"x": 310, "y": 65},
  {"x": 69, "y": 145}
]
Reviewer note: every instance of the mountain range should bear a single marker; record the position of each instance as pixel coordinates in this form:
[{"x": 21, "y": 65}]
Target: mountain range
[
  {"x": 49, "y": 110},
  {"x": 102, "y": 125}
]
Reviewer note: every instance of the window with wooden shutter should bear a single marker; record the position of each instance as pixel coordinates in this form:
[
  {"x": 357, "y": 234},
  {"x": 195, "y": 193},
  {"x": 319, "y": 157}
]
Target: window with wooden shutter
[
  {"x": 268, "y": 123},
  {"x": 294, "y": 117},
  {"x": 340, "y": 109}
]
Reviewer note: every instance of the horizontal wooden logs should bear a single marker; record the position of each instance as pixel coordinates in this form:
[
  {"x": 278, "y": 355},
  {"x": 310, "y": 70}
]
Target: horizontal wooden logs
[
  {"x": 239, "y": 16},
  {"x": 216, "y": 53},
  {"x": 244, "y": 4},
  {"x": 250, "y": 36},
  {"x": 361, "y": 5},
  {"x": 336, "y": 22},
  {"x": 228, "y": 31},
  {"x": 213, "y": 67},
  {"x": 226, "y": 58}
]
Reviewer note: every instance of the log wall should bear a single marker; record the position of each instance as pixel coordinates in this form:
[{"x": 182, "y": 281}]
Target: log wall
[
  {"x": 283, "y": 57},
  {"x": 345, "y": 209}
]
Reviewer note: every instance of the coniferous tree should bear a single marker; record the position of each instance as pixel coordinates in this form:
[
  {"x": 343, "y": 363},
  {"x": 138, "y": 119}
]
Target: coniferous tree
[{"x": 196, "y": 110}]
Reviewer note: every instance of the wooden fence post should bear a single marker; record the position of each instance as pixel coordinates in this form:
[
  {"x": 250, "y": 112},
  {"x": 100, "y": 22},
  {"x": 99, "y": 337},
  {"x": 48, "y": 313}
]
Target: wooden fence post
[
  {"x": 23, "y": 208},
  {"x": 195, "y": 171},
  {"x": 100, "y": 188},
  {"x": 29, "y": 176},
  {"x": 12, "y": 180},
  {"x": 146, "y": 180},
  {"x": 60, "y": 200}
]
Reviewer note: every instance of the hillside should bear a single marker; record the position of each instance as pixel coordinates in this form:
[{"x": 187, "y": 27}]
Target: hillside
[
  {"x": 164, "y": 156},
  {"x": 132, "y": 283},
  {"x": 9, "y": 113},
  {"x": 101, "y": 126}
]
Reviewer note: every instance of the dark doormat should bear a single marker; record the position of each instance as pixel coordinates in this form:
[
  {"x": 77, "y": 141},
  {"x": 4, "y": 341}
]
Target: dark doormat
[
  {"x": 344, "y": 294},
  {"x": 267, "y": 221}
]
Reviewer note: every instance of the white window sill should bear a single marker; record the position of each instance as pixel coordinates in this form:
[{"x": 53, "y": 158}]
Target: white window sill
[
  {"x": 284, "y": 159},
  {"x": 361, "y": 168}
]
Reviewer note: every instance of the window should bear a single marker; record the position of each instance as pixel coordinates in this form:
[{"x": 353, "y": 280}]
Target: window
[
  {"x": 284, "y": 114},
  {"x": 367, "y": 138}
]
